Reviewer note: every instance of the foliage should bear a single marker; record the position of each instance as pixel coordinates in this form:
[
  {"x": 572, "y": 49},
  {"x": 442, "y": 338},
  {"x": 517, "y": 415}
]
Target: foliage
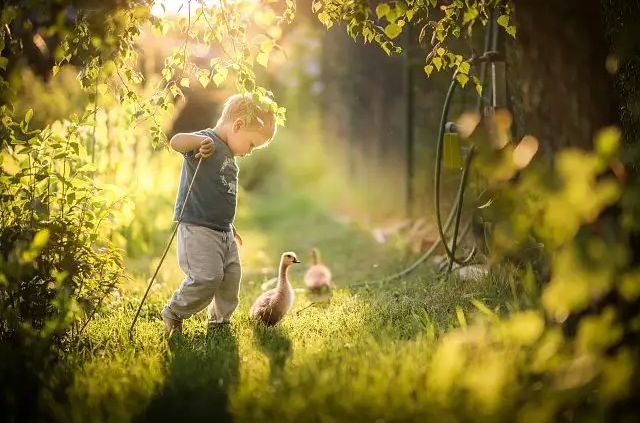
[
  {"x": 236, "y": 33},
  {"x": 386, "y": 22},
  {"x": 48, "y": 189}
]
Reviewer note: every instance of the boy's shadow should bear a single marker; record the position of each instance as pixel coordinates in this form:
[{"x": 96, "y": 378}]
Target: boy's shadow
[
  {"x": 275, "y": 344},
  {"x": 201, "y": 372}
]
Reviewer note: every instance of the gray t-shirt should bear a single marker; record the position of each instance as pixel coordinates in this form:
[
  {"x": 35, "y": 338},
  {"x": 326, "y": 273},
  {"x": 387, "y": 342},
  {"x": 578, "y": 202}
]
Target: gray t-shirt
[{"x": 213, "y": 198}]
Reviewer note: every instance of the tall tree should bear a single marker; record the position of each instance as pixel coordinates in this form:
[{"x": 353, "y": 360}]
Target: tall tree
[{"x": 567, "y": 92}]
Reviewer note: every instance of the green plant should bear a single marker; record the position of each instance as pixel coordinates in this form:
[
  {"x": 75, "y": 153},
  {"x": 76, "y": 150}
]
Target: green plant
[{"x": 57, "y": 264}]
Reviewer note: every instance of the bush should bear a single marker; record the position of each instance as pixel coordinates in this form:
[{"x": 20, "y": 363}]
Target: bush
[{"x": 57, "y": 263}]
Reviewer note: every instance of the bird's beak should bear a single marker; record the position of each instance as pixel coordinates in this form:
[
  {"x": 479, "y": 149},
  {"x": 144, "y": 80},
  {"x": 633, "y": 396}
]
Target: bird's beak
[{"x": 295, "y": 260}]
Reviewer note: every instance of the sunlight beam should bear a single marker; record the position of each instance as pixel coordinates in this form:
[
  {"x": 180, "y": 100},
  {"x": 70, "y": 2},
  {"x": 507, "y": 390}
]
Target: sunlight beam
[{"x": 163, "y": 8}]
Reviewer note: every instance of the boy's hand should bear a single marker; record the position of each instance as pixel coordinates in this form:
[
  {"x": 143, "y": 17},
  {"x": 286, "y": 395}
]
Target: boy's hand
[
  {"x": 237, "y": 237},
  {"x": 206, "y": 148}
]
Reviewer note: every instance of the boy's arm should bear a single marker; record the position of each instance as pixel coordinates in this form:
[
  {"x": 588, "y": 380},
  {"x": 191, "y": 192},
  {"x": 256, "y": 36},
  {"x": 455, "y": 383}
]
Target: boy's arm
[{"x": 185, "y": 142}]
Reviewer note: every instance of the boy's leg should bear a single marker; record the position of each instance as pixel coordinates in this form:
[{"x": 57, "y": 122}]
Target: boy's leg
[
  {"x": 200, "y": 256},
  {"x": 227, "y": 297}
]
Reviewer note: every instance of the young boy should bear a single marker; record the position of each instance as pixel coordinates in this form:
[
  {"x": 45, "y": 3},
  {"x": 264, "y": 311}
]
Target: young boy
[{"x": 207, "y": 240}]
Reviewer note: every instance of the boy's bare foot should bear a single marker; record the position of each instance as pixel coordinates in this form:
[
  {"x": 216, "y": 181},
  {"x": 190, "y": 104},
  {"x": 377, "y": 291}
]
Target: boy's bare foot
[{"x": 172, "y": 325}]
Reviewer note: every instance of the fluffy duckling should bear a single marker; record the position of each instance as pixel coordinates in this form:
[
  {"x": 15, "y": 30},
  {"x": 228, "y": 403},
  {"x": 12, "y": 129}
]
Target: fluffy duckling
[
  {"x": 272, "y": 305},
  {"x": 318, "y": 276}
]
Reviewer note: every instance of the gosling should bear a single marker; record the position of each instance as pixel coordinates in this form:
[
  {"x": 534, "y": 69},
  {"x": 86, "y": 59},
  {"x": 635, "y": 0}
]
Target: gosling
[
  {"x": 271, "y": 306},
  {"x": 318, "y": 276}
]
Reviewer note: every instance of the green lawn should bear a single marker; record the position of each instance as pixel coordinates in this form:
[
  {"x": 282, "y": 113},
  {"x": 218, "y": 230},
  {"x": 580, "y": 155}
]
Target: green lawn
[{"x": 360, "y": 357}]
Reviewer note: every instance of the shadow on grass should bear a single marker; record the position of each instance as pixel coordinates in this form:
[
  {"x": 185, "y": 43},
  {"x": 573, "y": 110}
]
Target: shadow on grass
[
  {"x": 201, "y": 371},
  {"x": 274, "y": 343}
]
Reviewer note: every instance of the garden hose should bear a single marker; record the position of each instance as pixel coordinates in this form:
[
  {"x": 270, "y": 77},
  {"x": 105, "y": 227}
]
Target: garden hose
[
  {"x": 438, "y": 172},
  {"x": 456, "y": 225},
  {"x": 166, "y": 250}
]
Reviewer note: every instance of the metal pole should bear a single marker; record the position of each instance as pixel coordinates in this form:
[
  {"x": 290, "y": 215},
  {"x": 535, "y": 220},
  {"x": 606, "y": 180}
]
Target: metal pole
[
  {"x": 408, "y": 122},
  {"x": 353, "y": 115}
]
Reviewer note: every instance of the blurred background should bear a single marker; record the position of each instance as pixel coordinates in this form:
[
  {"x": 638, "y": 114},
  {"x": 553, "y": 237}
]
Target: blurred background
[{"x": 359, "y": 138}]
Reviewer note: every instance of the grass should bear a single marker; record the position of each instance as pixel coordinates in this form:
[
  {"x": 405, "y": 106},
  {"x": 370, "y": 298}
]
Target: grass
[{"x": 360, "y": 357}]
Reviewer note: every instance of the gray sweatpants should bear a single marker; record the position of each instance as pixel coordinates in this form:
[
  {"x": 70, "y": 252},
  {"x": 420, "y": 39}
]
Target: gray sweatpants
[{"x": 211, "y": 263}]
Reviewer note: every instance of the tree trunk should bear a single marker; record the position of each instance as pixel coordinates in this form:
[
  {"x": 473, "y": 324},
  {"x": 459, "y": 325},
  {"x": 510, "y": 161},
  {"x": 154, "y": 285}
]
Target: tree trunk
[{"x": 567, "y": 93}]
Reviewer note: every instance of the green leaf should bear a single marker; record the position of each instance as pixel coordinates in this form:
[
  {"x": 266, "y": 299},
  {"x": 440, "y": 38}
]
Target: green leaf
[
  {"x": 483, "y": 308},
  {"x": 437, "y": 62},
  {"x": 28, "y": 116},
  {"x": 464, "y": 68},
  {"x": 392, "y": 30},
  {"x": 428, "y": 69},
  {"x": 392, "y": 15},
  {"x": 410, "y": 14},
  {"x": 316, "y": 6},
  {"x": 511, "y": 30},
  {"x": 184, "y": 82},
  {"x": 41, "y": 239},
  {"x": 366, "y": 33},
  {"x": 263, "y": 59},
  {"x": 608, "y": 142},
  {"x": 354, "y": 28},
  {"x": 218, "y": 79},
  {"x": 267, "y": 45},
  {"x": 3, "y": 63},
  {"x": 503, "y": 21},
  {"x": 462, "y": 79},
  {"x": 461, "y": 318},
  {"x": 478, "y": 85},
  {"x": 203, "y": 78},
  {"x": 470, "y": 15},
  {"x": 103, "y": 88},
  {"x": 440, "y": 32},
  {"x": 223, "y": 71},
  {"x": 382, "y": 10},
  {"x": 386, "y": 48}
]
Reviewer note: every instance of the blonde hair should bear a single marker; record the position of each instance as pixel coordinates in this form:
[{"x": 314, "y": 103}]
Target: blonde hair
[{"x": 255, "y": 116}]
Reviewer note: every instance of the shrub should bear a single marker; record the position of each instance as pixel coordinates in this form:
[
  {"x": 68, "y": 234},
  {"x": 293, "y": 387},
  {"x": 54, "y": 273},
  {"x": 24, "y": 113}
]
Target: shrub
[{"x": 57, "y": 263}]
